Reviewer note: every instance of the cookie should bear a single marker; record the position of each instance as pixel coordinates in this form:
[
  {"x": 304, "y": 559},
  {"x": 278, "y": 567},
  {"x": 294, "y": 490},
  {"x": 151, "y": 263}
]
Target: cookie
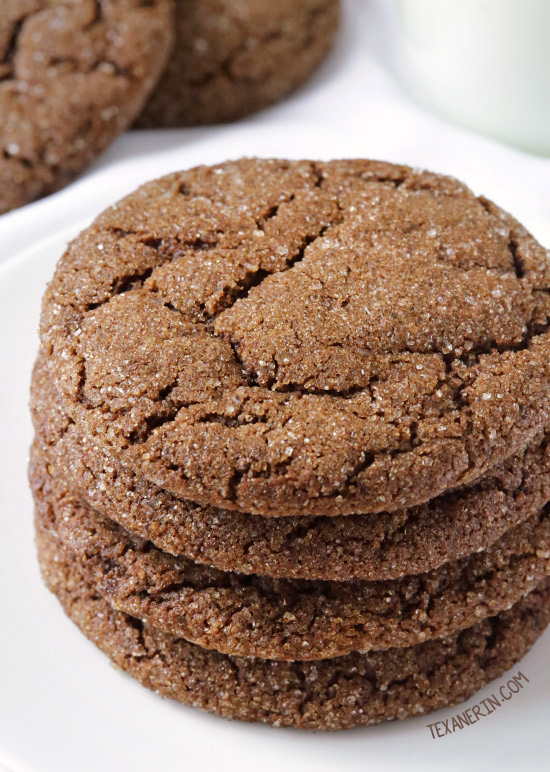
[
  {"x": 383, "y": 546},
  {"x": 73, "y": 76},
  {"x": 300, "y": 338},
  {"x": 355, "y": 690},
  {"x": 233, "y": 58},
  {"x": 255, "y": 616}
]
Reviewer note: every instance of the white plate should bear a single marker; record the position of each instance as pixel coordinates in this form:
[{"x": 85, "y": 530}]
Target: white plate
[{"x": 63, "y": 708}]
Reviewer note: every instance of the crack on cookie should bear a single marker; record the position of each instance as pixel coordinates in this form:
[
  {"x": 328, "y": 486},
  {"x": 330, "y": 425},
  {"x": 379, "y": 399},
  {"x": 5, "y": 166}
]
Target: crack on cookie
[
  {"x": 14, "y": 157},
  {"x": 139, "y": 627},
  {"x": 6, "y": 63},
  {"x": 97, "y": 15},
  {"x": 397, "y": 182},
  {"x": 272, "y": 212},
  {"x": 292, "y": 261},
  {"x": 513, "y": 243},
  {"x": 519, "y": 265},
  {"x": 112, "y": 67},
  {"x": 167, "y": 413},
  {"x": 295, "y": 388},
  {"x": 254, "y": 279},
  {"x": 366, "y": 460},
  {"x": 234, "y": 483},
  {"x": 125, "y": 284},
  {"x": 239, "y": 291},
  {"x": 366, "y": 177}
]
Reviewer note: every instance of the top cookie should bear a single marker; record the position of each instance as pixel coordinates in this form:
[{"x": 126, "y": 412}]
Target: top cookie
[
  {"x": 291, "y": 338},
  {"x": 73, "y": 75}
]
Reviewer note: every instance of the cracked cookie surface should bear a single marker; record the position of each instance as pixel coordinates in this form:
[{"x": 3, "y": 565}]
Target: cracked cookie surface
[
  {"x": 302, "y": 338},
  {"x": 73, "y": 76},
  {"x": 356, "y": 690},
  {"x": 233, "y": 57},
  {"x": 256, "y": 616},
  {"x": 382, "y": 546}
]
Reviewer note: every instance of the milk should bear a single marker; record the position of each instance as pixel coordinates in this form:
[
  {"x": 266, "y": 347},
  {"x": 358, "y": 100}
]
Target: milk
[{"x": 484, "y": 64}]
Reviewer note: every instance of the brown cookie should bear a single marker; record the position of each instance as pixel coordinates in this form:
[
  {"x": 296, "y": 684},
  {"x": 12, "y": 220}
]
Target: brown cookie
[
  {"x": 233, "y": 57},
  {"x": 73, "y": 76},
  {"x": 382, "y": 546},
  {"x": 291, "y": 619},
  {"x": 300, "y": 338},
  {"x": 355, "y": 690}
]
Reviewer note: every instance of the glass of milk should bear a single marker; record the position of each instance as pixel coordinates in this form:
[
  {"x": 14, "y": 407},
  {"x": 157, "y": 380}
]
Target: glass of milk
[{"x": 484, "y": 64}]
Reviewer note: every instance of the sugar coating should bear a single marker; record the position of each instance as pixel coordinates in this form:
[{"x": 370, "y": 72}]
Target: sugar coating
[
  {"x": 291, "y": 619},
  {"x": 356, "y": 690},
  {"x": 233, "y": 58},
  {"x": 72, "y": 77},
  {"x": 291, "y": 338},
  {"x": 372, "y": 547}
]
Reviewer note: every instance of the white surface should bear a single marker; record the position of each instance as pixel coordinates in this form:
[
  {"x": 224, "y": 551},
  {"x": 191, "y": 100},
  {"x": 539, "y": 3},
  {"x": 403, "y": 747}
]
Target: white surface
[{"x": 62, "y": 707}]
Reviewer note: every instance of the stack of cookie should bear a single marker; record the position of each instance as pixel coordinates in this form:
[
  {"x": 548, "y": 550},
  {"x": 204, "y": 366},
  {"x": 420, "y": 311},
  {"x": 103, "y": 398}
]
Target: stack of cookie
[{"x": 291, "y": 461}]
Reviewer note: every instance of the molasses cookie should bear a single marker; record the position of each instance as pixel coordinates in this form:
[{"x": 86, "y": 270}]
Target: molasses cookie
[
  {"x": 233, "y": 57},
  {"x": 381, "y": 546},
  {"x": 291, "y": 619},
  {"x": 355, "y": 690},
  {"x": 73, "y": 76},
  {"x": 300, "y": 338}
]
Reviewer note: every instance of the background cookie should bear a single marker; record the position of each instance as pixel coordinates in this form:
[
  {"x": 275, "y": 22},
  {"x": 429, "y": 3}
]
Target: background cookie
[
  {"x": 299, "y": 338},
  {"x": 72, "y": 77},
  {"x": 255, "y": 616},
  {"x": 233, "y": 57},
  {"x": 382, "y": 546},
  {"x": 355, "y": 690}
]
